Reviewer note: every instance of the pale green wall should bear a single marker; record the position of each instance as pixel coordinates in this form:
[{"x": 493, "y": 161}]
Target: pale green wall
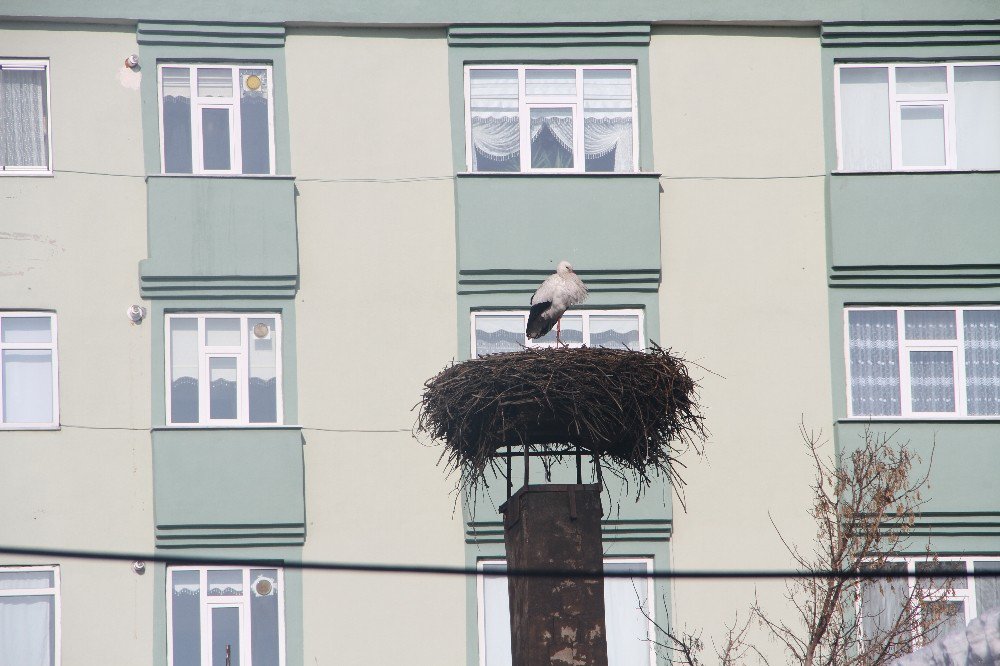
[
  {"x": 70, "y": 243},
  {"x": 376, "y": 317},
  {"x": 736, "y": 118}
]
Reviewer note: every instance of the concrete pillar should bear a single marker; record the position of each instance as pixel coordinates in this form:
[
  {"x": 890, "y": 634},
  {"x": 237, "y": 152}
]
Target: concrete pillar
[{"x": 556, "y": 621}]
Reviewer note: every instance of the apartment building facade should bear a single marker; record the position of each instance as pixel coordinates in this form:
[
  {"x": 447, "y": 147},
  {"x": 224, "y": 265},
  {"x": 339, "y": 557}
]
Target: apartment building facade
[{"x": 318, "y": 207}]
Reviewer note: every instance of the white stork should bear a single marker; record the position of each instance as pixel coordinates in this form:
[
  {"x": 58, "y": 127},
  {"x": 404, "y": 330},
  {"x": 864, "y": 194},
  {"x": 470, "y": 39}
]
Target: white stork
[{"x": 559, "y": 291}]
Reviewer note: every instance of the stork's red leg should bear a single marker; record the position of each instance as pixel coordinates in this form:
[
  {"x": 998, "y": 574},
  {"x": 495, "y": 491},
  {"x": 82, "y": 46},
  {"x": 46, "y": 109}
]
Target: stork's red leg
[{"x": 558, "y": 330}]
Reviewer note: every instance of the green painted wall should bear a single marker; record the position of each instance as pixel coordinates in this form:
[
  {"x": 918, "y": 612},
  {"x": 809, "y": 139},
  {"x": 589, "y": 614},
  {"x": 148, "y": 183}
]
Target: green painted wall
[{"x": 221, "y": 236}]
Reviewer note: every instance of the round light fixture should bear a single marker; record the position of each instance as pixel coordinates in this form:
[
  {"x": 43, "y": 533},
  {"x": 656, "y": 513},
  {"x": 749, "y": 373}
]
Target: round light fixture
[
  {"x": 263, "y": 587},
  {"x": 260, "y": 330},
  {"x": 253, "y": 82}
]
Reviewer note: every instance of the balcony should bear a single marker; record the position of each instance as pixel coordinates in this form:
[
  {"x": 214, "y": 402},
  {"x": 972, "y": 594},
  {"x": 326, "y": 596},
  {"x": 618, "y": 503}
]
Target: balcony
[{"x": 220, "y": 236}]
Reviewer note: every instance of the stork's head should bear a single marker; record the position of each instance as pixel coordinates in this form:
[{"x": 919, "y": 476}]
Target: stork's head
[{"x": 564, "y": 268}]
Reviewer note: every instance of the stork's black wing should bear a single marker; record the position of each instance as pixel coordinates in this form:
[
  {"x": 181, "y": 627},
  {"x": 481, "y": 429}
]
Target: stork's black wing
[{"x": 538, "y": 324}]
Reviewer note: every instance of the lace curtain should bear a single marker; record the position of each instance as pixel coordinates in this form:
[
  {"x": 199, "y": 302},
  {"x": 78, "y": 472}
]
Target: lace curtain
[
  {"x": 874, "y": 358},
  {"x": 932, "y": 381},
  {"x": 26, "y": 627},
  {"x": 982, "y": 362},
  {"x": 23, "y": 122}
]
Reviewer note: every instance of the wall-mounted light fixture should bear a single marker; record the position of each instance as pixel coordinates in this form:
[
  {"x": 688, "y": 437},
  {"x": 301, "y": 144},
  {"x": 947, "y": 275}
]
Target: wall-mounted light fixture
[{"x": 132, "y": 61}]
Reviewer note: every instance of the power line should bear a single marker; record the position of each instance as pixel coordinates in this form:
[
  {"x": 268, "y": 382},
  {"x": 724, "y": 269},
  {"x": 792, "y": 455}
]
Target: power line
[{"x": 443, "y": 570}]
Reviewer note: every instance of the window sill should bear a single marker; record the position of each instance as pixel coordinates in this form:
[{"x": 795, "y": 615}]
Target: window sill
[
  {"x": 563, "y": 174},
  {"x": 920, "y": 419},
  {"x": 227, "y": 426},
  {"x": 30, "y": 426},
  {"x": 31, "y": 174},
  {"x": 224, "y": 176},
  {"x": 912, "y": 171}
]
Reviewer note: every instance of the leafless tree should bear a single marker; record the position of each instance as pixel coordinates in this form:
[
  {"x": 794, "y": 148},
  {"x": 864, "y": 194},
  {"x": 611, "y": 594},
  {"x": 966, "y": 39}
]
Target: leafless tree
[{"x": 864, "y": 504}]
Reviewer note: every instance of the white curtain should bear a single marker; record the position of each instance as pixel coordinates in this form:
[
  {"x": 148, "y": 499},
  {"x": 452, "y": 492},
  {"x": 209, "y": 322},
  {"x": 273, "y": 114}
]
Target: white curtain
[
  {"x": 922, "y": 135},
  {"x": 982, "y": 362},
  {"x": 27, "y": 383},
  {"x": 987, "y": 587},
  {"x": 932, "y": 381},
  {"x": 864, "y": 119},
  {"x": 23, "y": 124},
  {"x": 496, "y": 133},
  {"x": 26, "y": 628},
  {"x": 874, "y": 361},
  {"x": 882, "y": 601},
  {"x": 558, "y": 123},
  {"x": 625, "y": 601},
  {"x": 607, "y": 116},
  {"x": 930, "y": 325},
  {"x": 496, "y": 616},
  {"x": 499, "y": 137},
  {"x": 977, "y": 108}
]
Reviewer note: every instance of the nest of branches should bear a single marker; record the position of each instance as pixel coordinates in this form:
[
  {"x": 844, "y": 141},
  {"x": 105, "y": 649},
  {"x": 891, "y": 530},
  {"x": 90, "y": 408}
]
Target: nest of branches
[{"x": 633, "y": 412}]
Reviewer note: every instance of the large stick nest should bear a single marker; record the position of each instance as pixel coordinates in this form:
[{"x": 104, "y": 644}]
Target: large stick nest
[{"x": 634, "y": 411}]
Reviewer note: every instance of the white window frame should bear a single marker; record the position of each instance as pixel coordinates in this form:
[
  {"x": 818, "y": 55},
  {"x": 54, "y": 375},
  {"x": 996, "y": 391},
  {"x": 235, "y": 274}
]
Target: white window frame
[
  {"x": 898, "y": 100},
  {"x": 587, "y": 314},
  {"x": 966, "y": 596},
  {"x": 649, "y": 606},
  {"x": 242, "y": 354},
  {"x": 33, "y": 170},
  {"x": 956, "y": 346},
  {"x": 526, "y": 102},
  {"x": 42, "y": 592},
  {"x": 235, "y": 123},
  {"x": 206, "y": 602},
  {"x": 52, "y": 346}
]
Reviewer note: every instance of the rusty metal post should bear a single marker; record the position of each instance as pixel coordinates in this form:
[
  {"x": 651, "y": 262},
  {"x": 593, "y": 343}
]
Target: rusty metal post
[{"x": 556, "y": 621}]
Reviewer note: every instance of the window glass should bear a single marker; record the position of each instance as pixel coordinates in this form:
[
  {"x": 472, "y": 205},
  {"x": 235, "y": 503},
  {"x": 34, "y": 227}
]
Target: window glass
[
  {"x": 977, "y": 108},
  {"x": 552, "y": 138},
  {"x": 223, "y": 399},
  {"x": 864, "y": 119},
  {"x": 263, "y": 371},
  {"x": 982, "y": 361},
  {"x": 882, "y": 601},
  {"x": 26, "y": 329},
  {"x": 987, "y": 587},
  {"x": 495, "y": 127},
  {"x": 920, "y": 80},
  {"x": 550, "y": 82},
  {"x": 213, "y": 82},
  {"x": 570, "y": 332},
  {"x": 930, "y": 325},
  {"x": 176, "y": 111},
  {"x": 264, "y": 617},
  {"x": 225, "y": 635},
  {"x": 185, "y": 605},
  {"x": 27, "y": 386},
  {"x": 615, "y": 331},
  {"x": 222, "y": 331},
  {"x": 26, "y": 580},
  {"x": 24, "y": 117},
  {"x": 932, "y": 381},
  {"x": 216, "y": 141},
  {"x": 942, "y": 574},
  {"x": 922, "y": 130},
  {"x": 254, "y": 119},
  {"x": 607, "y": 119},
  {"x": 28, "y": 634},
  {"x": 941, "y": 616},
  {"x": 874, "y": 362},
  {"x": 184, "y": 370}
]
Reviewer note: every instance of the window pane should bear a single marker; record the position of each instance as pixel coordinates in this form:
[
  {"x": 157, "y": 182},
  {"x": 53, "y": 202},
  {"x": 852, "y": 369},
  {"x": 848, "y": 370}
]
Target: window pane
[
  {"x": 264, "y": 617},
  {"x": 215, "y": 139},
  {"x": 607, "y": 120},
  {"x": 922, "y": 129},
  {"x": 222, "y": 331},
  {"x": 572, "y": 331},
  {"x": 930, "y": 325},
  {"x": 941, "y": 616},
  {"x": 874, "y": 360},
  {"x": 26, "y": 580},
  {"x": 987, "y": 588},
  {"x": 176, "y": 119},
  {"x": 942, "y": 575},
  {"x": 982, "y": 361},
  {"x": 932, "y": 381},
  {"x": 882, "y": 602},
  {"x": 977, "y": 116},
  {"x": 255, "y": 136},
  {"x": 27, "y": 386},
  {"x": 864, "y": 119},
  {"x": 495, "y": 128},
  {"x": 24, "y": 140},
  {"x": 225, "y": 582},
  {"x": 615, "y": 331},
  {"x": 625, "y": 601},
  {"x": 225, "y": 636},
  {"x": 550, "y": 82},
  {"x": 26, "y": 329},
  {"x": 921, "y": 80},
  {"x": 263, "y": 371},
  {"x": 552, "y": 138},
  {"x": 499, "y": 333},
  {"x": 215, "y": 82},
  {"x": 27, "y": 631},
  {"x": 185, "y": 606},
  {"x": 183, "y": 370},
  {"x": 223, "y": 396},
  {"x": 496, "y": 615}
]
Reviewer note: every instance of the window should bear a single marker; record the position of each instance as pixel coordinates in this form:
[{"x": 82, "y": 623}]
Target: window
[
  {"x": 24, "y": 117},
  {"x": 225, "y": 615},
  {"x": 955, "y": 597},
  {"x": 29, "y": 616},
  {"x": 216, "y": 119},
  {"x": 629, "y": 632},
  {"x": 552, "y": 119},
  {"x": 223, "y": 369},
  {"x": 28, "y": 370},
  {"x": 494, "y": 332},
  {"x": 924, "y": 362},
  {"x": 930, "y": 116}
]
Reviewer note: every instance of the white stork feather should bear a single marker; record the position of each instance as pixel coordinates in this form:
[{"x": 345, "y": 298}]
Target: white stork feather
[{"x": 559, "y": 291}]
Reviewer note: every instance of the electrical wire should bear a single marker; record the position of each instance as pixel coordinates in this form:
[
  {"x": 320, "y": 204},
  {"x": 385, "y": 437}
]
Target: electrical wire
[{"x": 444, "y": 570}]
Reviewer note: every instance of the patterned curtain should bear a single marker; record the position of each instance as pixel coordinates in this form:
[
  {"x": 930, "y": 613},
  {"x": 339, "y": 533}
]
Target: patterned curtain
[
  {"x": 874, "y": 359},
  {"x": 982, "y": 362},
  {"x": 932, "y": 381},
  {"x": 23, "y": 124}
]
